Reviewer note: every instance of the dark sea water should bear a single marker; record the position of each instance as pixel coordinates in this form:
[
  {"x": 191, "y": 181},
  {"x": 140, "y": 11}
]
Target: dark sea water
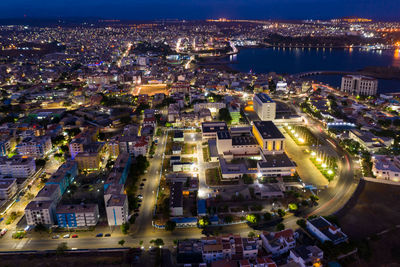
[{"x": 297, "y": 60}]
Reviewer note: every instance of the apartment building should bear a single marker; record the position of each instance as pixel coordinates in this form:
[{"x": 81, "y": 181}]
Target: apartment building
[
  {"x": 81, "y": 215},
  {"x": 64, "y": 176},
  {"x": 359, "y": 85},
  {"x": 34, "y": 146},
  {"x": 8, "y": 188},
  {"x": 264, "y": 106},
  {"x": 17, "y": 167},
  {"x": 40, "y": 212},
  {"x": 116, "y": 203}
]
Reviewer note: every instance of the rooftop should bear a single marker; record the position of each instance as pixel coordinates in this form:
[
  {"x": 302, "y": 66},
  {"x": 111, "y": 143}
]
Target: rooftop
[
  {"x": 268, "y": 130},
  {"x": 264, "y": 98}
]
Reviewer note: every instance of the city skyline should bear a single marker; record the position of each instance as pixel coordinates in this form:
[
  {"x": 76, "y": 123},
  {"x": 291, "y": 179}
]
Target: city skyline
[{"x": 176, "y": 9}]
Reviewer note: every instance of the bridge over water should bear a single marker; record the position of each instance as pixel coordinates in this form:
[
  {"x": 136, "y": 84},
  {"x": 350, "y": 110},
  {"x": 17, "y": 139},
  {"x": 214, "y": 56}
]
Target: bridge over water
[{"x": 322, "y": 72}]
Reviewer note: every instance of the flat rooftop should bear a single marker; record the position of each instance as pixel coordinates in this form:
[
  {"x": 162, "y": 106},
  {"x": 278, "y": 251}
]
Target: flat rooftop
[
  {"x": 276, "y": 160},
  {"x": 264, "y": 98},
  {"x": 268, "y": 130},
  {"x": 212, "y": 127}
]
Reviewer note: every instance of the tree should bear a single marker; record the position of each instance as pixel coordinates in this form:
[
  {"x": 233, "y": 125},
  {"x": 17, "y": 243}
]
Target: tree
[
  {"x": 228, "y": 219},
  {"x": 267, "y": 216},
  {"x": 157, "y": 242},
  {"x": 121, "y": 242},
  {"x": 61, "y": 248},
  {"x": 170, "y": 226},
  {"x": 224, "y": 115},
  {"x": 280, "y": 227},
  {"x": 247, "y": 179},
  {"x": 301, "y": 223},
  {"x": 252, "y": 218},
  {"x": 314, "y": 198},
  {"x": 251, "y": 235},
  {"x": 125, "y": 228},
  {"x": 281, "y": 212}
]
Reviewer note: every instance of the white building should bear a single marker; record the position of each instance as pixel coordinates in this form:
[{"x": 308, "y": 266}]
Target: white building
[
  {"x": 116, "y": 203},
  {"x": 8, "y": 188},
  {"x": 306, "y": 256},
  {"x": 326, "y": 231},
  {"x": 359, "y": 85},
  {"x": 264, "y": 106},
  {"x": 17, "y": 167},
  {"x": 36, "y": 147},
  {"x": 40, "y": 212},
  {"x": 278, "y": 243},
  {"x": 281, "y": 86},
  {"x": 386, "y": 167}
]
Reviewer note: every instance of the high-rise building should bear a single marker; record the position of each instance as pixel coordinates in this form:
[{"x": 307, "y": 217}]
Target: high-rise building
[
  {"x": 264, "y": 106},
  {"x": 359, "y": 85}
]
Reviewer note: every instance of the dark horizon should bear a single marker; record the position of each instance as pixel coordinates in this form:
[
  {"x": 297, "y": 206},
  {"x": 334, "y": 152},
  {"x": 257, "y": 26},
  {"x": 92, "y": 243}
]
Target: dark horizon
[{"x": 384, "y": 10}]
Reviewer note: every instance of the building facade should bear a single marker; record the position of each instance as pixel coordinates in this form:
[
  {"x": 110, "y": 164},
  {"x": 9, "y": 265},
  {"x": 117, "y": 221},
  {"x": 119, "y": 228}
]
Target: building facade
[
  {"x": 264, "y": 106},
  {"x": 359, "y": 85}
]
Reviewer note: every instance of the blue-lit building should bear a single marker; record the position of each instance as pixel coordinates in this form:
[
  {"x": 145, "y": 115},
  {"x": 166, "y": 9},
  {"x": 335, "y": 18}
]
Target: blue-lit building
[
  {"x": 80, "y": 215},
  {"x": 120, "y": 171},
  {"x": 201, "y": 207},
  {"x": 64, "y": 176}
]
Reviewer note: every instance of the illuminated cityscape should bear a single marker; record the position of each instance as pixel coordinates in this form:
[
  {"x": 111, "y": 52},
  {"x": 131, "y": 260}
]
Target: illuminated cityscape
[{"x": 199, "y": 142}]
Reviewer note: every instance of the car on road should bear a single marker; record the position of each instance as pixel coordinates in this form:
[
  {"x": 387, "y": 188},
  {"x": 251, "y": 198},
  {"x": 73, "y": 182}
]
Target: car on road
[
  {"x": 139, "y": 205},
  {"x": 136, "y": 210},
  {"x": 3, "y": 232},
  {"x": 107, "y": 235},
  {"x": 144, "y": 180},
  {"x": 139, "y": 200},
  {"x": 66, "y": 236},
  {"x": 75, "y": 236},
  {"x": 140, "y": 196},
  {"x": 141, "y": 188},
  {"x": 136, "y": 214},
  {"x": 99, "y": 235},
  {"x": 142, "y": 184},
  {"x": 55, "y": 237}
]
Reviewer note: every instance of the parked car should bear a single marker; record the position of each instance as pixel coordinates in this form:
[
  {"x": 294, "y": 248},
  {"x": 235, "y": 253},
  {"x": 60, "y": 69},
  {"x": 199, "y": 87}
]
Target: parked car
[
  {"x": 99, "y": 235},
  {"x": 142, "y": 184},
  {"x": 136, "y": 214},
  {"x": 66, "y": 236},
  {"x": 75, "y": 236},
  {"x": 136, "y": 210},
  {"x": 144, "y": 180},
  {"x": 3, "y": 232},
  {"x": 107, "y": 235},
  {"x": 55, "y": 237},
  {"x": 140, "y": 196}
]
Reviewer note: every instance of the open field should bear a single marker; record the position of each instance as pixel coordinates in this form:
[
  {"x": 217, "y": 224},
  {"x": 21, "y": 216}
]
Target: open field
[
  {"x": 151, "y": 89},
  {"x": 374, "y": 215}
]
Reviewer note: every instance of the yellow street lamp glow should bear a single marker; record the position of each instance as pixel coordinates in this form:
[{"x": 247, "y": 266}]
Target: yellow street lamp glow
[
  {"x": 323, "y": 165},
  {"x": 292, "y": 131},
  {"x": 301, "y": 140},
  {"x": 319, "y": 159},
  {"x": 330, "y": 172},
  {"x": 289, "y": 127},
  {"x": 313, "y": 153},
  {"x": 296, "y": 135}
]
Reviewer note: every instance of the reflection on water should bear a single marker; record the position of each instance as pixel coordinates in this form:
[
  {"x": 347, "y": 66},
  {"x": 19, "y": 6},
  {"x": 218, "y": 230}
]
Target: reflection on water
[{"x": 396, "y": 58}]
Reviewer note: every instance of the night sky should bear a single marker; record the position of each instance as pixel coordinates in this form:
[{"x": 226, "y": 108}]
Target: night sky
[{"x": 202, "y": 9}]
